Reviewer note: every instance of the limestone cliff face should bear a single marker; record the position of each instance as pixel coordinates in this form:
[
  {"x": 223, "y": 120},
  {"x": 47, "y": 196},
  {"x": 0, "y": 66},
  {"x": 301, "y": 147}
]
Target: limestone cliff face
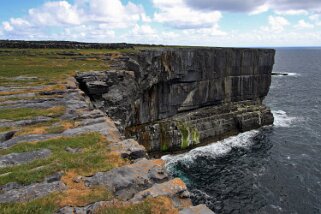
[{"x": 175, "y": 98}]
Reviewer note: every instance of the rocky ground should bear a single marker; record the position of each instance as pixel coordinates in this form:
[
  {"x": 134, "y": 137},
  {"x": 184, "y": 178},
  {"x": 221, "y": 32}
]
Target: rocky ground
[{"x": 60, "y": 155}]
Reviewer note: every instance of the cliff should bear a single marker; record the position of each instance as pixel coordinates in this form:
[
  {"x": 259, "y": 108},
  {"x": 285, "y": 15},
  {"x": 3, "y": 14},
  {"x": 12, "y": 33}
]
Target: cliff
[
  {"x": 176, "y": 98},
  {"x": 61, "y": 152}
]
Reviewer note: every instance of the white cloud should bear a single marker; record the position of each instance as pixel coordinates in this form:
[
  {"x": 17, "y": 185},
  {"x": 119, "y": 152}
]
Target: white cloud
[
  {"x": 182, "y": 22},
  {"x": 276, "y": 24},
  {"x": 304, "y": 25},
  {"x": 82, "y": 19},
  {"x": 7, "y": 26},
  {"x": 143, "y": 30},
  {"x": 261, "y": 9},
  {"x": 116, "y": 14},
  {"x": 292, "y": 12},
  {"x": 55, "y": 14},
  {"x": 316, "y": 19},
  {"x": 178, "y": 15}
]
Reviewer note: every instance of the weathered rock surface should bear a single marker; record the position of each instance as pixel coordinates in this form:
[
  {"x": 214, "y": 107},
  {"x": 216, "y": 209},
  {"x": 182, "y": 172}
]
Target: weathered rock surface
[
  {"x": 27, "y": 193},
  {"x": 6, "y": 135},
  {"x": 9, "y": 123},
  {"x": 144, "y": 90},
  {"x": 174, "y": 189},
  {"x": 199, "y": 209},
  {"x": 91, "y": 208},
  {"x": 25, "y": 157},
  {"x": 126, "y": 181},
  {"x": 26, "y": 138},
  {"x": 129, "y": 149}
]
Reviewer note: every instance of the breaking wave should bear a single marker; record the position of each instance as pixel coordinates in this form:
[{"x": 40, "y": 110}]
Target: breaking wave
[
  {"x": 282, "y": 119},
  {"x": 214, "y": 150}
]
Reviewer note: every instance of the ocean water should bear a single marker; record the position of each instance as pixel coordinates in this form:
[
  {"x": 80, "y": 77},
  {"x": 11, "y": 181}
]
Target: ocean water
[{"x": 275, "y": 169}]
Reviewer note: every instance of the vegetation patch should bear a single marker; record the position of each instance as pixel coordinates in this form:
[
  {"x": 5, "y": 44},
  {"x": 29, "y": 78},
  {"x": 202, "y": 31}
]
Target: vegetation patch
[
  {"x": 159, "y": 205},
  {"x": 94, "y": 157},
  {"x": 164, "y": 138},
  {"x": 190, "y": 135},
  {"x": 78, "y": 194},
  {"x": 45, "y": 205},
  {"x": 29, "y": 113}
]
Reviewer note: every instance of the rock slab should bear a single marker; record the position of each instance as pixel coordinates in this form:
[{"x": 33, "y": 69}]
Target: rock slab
[{"x": 128, "y": 180}]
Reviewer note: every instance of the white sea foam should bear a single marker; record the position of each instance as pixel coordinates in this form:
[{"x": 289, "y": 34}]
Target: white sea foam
[
  {"x": 285, "y": 74},
  {"x": 281, "y": 119},
  {"x": 213, "y": 150},
  {"x": 294, "y": 74}
]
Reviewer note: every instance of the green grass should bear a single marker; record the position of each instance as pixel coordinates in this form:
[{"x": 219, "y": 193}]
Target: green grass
[
  {"x": 46, "y": 205},
  {"x": 50, "y": 205},
  {"x": 92, "y": 159},
  {"x": 55, "y": 129},
  {"x": 51, "y": 64},
  {"x": 159, "y": 205},
  {"x": 141, "y": 208},
  {"x": 28, "y": 113},
  {"x": 5, "y": 129}
]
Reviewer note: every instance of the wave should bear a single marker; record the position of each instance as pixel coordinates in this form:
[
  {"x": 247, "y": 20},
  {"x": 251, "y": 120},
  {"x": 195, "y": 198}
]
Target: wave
[
  {"x": 214, "y": 150},
  {"x": 281, "y": 119},
  {"x": 284, "y": 74},
  {"x": 294, "y": 74}
]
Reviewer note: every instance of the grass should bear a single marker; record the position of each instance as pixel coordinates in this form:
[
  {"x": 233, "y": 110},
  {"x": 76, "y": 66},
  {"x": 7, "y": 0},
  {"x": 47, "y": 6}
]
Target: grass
[
  {"x": 28, "y": 113},
  {"x": 51, "y": 64},
  {"x": 5, "y": 129},
  {"x": 94, "y": 157},
  {"x": 45, "y": 205},
  {"x": 159, "y": 205},
  {"x": 51, "y": 67},
  {"x": 50, "y": 204}
]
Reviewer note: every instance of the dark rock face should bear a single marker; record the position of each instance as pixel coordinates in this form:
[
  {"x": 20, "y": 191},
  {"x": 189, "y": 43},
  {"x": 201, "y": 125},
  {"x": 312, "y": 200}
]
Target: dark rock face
[{"x": 174, "y": 98}]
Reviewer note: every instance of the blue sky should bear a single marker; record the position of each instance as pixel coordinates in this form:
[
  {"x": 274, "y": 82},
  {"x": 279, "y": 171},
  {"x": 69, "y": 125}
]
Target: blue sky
[{"x": 240, "y": 23}]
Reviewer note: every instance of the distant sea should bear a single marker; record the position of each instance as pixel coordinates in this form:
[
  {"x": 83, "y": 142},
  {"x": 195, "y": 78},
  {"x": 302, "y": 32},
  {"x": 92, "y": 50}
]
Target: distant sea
[{"x": 276, "y": 169}]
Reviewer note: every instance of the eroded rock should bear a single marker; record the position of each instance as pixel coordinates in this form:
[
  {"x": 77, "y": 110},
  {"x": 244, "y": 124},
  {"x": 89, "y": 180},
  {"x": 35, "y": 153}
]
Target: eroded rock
[
  {"x": 126, "y": 181},
  {"x": 4, "y": 136},
  {"x": 39, "y": 119},
  {"x": 199, "y": 209},
  {"x": 27, "y": 138},
  {"x": 27, "y": 193},
  {"x": 129, "y": 149},
  {"x": 24, "y": 157},
  {"x": 174, "y": 189},
  {"x": 144, "y": 90}
]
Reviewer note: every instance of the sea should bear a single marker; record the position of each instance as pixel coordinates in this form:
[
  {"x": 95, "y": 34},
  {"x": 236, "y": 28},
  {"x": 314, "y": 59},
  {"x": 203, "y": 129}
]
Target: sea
[{"x": 275, "y": 169}]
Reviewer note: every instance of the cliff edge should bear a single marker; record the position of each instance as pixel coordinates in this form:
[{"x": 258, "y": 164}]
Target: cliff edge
[{"x": 177, "y": 98}]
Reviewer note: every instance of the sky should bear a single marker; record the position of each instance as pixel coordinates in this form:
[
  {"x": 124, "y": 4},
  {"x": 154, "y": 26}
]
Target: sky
[{"x": 224, "y": 23}]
